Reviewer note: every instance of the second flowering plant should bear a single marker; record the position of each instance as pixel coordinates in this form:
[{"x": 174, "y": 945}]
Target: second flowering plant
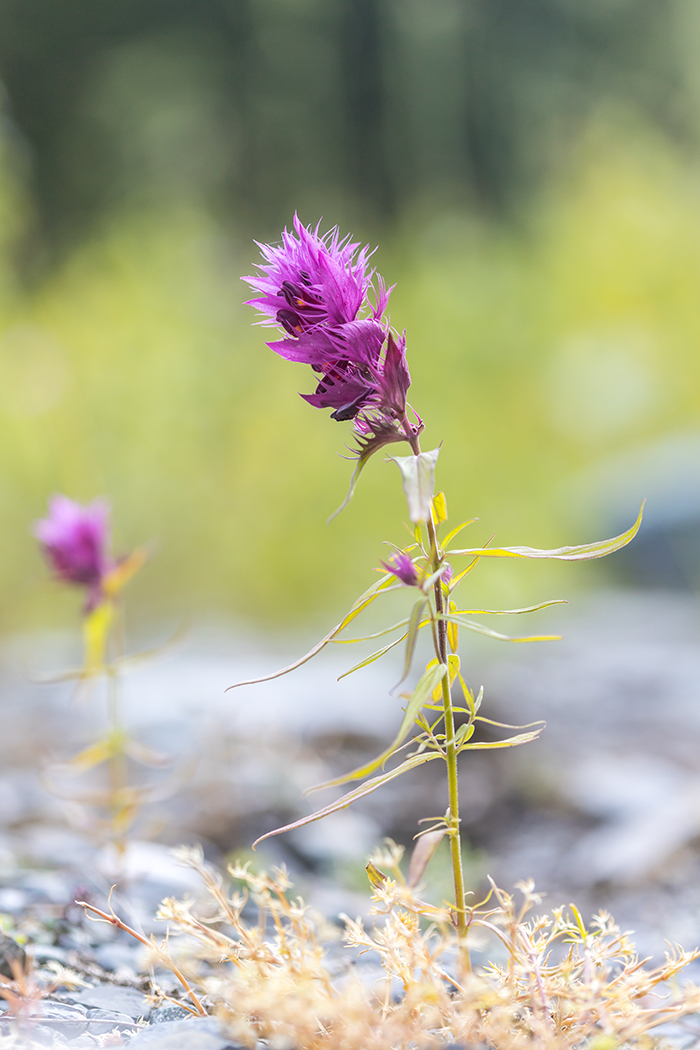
[{"x": 329, "y": 307}]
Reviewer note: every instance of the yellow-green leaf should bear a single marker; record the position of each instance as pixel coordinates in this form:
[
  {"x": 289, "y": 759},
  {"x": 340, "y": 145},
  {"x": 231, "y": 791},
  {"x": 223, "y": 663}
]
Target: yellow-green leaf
[
  {"x": 454, "y": 532},
  {"x": 419, "y": 697},
  {"x": 584, "y": 552},
  {"x": 359, "y": 792},
  {"x": 384, "y": 585},
  {"x": 440, "y": 508},
  {"x": 479, "y": 628},
  {"x": 95, "y": 631}
]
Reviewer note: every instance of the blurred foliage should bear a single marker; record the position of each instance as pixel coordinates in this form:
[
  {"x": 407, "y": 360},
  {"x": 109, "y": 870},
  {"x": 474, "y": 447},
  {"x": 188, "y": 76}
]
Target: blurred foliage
[
  {"x": 350, "y": 108},
  {"x": 132, "y": 370},
  {"x": 528, "y": 170}
]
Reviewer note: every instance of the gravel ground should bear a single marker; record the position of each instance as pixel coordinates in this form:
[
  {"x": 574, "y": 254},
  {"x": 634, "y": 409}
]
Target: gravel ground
[{"x": 604, "y": 809}]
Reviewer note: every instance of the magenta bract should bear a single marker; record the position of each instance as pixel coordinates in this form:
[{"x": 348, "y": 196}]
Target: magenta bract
[
  {"x": 75, "y": 540},
  {"x": 403, "y": 568},
  {"x": 330, "y": 305}
]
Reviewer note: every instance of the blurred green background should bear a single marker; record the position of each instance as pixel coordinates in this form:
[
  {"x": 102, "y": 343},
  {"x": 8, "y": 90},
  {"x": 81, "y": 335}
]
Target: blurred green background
[{"x": 530, "y": 173}]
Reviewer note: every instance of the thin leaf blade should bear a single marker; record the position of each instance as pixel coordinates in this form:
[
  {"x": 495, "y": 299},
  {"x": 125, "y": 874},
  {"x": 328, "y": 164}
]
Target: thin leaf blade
[{"x": 583, "y": 552}]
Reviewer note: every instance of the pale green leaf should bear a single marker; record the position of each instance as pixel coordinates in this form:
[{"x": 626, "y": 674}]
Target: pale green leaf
[
  {"x": 418, "y": 479},
  {"x": 369, "y": 637},
  {"x": 454, "y": 532},
  {"x": 412, "y": 635},
  {"x": 506, "y": 612},
  {"x": 418, "y": 699},
  {"x": 359, "y": 792},
  {"x": 584, "y": 552},
  {"x": 479, "y": 628},
  {"x": 512, "y": 741},
  {"x": 374, "y": 656},
  {"x": 381, "y": 586}
]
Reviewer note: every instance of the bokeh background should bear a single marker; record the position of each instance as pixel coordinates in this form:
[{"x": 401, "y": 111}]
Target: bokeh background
[{"x": 530, "y": 174}]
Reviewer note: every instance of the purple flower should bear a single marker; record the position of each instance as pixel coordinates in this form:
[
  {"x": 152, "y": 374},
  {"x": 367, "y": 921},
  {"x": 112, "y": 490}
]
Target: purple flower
[
  {"x": 309, "y": 280},
  {"x": 447, "y": 574},
  {"x": 317, "y": 290},
  {"x": 403, "y": 568},
  {"x": 75, "y": 540}
]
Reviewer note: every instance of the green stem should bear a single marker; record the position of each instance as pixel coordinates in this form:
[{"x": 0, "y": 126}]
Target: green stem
[
  {"x": 118, "y": 768},
  {"x": 453, "y": 818}
]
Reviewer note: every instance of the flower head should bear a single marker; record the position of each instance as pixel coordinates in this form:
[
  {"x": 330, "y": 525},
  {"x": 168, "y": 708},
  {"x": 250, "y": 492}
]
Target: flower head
[
  {"x": 330, "y": 306},
  {"x": 309, "y": 280},
  {"x": 75, "y": 541},
  {"x": 403, "y": 568}
]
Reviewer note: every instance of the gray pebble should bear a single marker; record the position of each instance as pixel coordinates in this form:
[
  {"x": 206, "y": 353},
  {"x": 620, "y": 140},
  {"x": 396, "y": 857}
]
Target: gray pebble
[
  {"x": 13, "y": 958},
  {"x": 127, "y": 1001},
  {"x": 169, "y": 1012},
  {"x": 112, "y": 1019},
  {"x": 114, "y": 955},
  {"x": 197, "y": 1033},
  {"x": 70, "y": 1019}
]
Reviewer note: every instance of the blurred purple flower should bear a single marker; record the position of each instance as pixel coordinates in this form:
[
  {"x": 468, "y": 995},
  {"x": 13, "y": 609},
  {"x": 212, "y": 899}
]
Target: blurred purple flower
[
  {"x": 75, "y": 540},
  {"x": 447, "y": 574},
  {"x": 403, "y": 568}
]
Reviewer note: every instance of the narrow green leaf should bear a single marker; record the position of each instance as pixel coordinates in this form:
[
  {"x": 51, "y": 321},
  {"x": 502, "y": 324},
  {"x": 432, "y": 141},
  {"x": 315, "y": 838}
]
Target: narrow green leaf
[
  {"x": 479, "y": 628},
  {"x": 369, "y": 637},
  {"x": 506, "y": 725},
  {"x": 420, "y": 696},
  {"x": 381, "y": 586},
  {"x": 460, "y": 575},
  {"x": 361, "y": 463},
  {"x": 370, "y": 659},
  {"x": 359, "y": 792},
  {"x": 454, "y": 532},
  {"x": 414, "y": 626},
  {"x": 507, "y": 612},
  {"x": 512, "y": 741},
  {"x": 584, "y": 552},
  {"x": 464, "y": 733}
]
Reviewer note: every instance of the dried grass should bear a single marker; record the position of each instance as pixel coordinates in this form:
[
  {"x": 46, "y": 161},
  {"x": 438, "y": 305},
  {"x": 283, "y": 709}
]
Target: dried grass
[{"x": 558, "y": 984}]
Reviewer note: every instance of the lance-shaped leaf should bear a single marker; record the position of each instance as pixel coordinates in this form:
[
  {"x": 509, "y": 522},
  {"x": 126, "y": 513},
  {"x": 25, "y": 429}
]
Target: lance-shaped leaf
[
  {"x": 384, "y": 586},
  {"x": 512, "y": 741},
  {"x": 506, "y": 612},
  {"x": 479, "y": 628},
  {"x": 374, "y": 656},
  {"x": 420, "y": 696},
  {"x": 584, "y": 552},
  {"x": 418, "y": 479},
  {"x": 359, "y": 792},
  {"x": 414, "y": 625},
  {"x": 451, "y": 535}
]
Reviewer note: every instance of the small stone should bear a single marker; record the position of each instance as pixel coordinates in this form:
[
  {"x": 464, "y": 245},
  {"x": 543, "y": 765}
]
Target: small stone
[
  {"x": 169, "y": 1012},
  {"x": 113, "y": 1021},
  {"x": 13, "y": 958},
  {"x": 197, "y": 1033},
  {"x": 63, "y": 1013},
  {"x": 112, "y": 997},
  {"x": 115, "y": 955}
]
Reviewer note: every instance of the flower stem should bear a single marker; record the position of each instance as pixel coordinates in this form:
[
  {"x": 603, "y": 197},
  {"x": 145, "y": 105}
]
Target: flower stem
[{"x": 453, "y": 818}]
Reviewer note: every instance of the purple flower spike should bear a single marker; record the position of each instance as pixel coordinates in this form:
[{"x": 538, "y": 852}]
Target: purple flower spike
[
  {"x": 309, "y": 280},
  {"x": 330, "y": 306},
  {"x": 403, "y": 568},
  {"x": 75, "y": 540}
]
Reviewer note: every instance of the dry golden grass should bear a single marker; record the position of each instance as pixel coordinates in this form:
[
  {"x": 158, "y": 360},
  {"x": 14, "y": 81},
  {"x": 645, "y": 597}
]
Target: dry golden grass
[{"x": 557, "y": 984}]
